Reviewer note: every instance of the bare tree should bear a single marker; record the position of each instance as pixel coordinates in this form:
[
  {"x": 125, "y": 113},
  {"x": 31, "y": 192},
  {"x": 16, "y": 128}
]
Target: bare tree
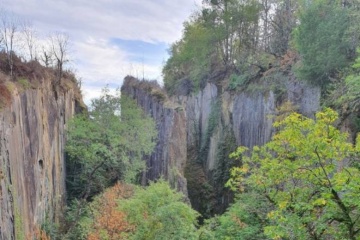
[
  {"x": 29, "y": 34},
  {"x": 46, "y": 57},
  {"x": 9, "y": 25},
  {"x": 59, "y": 43}
]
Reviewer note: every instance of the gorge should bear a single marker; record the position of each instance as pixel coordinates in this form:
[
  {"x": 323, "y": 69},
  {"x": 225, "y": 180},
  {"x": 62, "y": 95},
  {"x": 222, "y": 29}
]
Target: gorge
[{"x": 199, "y": 131}]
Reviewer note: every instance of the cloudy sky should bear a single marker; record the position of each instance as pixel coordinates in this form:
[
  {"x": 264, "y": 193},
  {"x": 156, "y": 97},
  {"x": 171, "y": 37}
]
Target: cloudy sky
[{"x": 110, "y": 38}]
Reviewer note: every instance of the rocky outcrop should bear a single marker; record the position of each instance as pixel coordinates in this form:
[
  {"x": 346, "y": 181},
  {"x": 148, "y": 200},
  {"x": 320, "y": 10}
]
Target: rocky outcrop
[
  {"x": 32, "y": 165},
  {"x": 219, "y": 121},
  {"x": 169, "y": 157},
  {"x": 216, "y": 122}
]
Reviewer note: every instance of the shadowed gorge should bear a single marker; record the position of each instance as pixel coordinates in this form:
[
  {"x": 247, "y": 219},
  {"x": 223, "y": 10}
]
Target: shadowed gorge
[
  {"x": 208, "y": 126},
  {"x": 248, "y": 127}
]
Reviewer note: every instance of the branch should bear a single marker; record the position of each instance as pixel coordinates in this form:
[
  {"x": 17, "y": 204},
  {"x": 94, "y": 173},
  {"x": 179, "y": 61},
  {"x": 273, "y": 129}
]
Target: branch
[
  {"x": 86, "y": 194},
  {"x": 323, "y": 168}
]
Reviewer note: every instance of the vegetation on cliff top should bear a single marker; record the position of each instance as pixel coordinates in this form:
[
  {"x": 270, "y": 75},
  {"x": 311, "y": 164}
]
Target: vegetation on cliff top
[
  {"x": 240, "y": 40},
  {"x": 25, "y": 62}
]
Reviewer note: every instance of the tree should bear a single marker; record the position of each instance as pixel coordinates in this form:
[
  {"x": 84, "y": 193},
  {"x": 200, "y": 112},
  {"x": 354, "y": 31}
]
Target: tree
[
  {"x": 282, "y": 25},
  {"x": 266, "y": 7},
  {"x": 220, "y": 38},
  {"x": 309, "y": 174},
  {"x": 46, "y": 56},
  {"x": 29, "y": 35},
  {"x": 9, "y": 29},
  {"x": 59, "y": 43},
  {"x": 108, "y": 145},
  {"x": 345, "y": 93},
  {"x": 353, "y": 32},
  {"x": 108, "y": 222},
  {"x": 321, "y": 42},
  {"x": 191, "y": 57},
  {"x": 158, "y": 212},
  {"x": 245, "y": 219},
  {"x": 234, "y": 25}
]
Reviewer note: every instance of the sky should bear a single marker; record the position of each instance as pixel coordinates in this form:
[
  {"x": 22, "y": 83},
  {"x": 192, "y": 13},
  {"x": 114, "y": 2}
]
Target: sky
[{"x": 110, "y": 38}]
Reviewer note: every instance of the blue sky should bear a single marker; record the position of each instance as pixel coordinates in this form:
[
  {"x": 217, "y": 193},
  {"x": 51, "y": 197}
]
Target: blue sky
[
  {"x": 109, "y": 38},
  {"x": 143, "y": 52}
]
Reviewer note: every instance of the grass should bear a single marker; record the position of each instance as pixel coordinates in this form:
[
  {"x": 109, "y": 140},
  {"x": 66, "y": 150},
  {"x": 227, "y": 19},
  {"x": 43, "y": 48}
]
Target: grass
[{"x": 25, "y": 84}]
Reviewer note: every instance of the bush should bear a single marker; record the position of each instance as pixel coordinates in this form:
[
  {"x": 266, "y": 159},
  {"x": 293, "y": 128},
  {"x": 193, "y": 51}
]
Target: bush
[{"x": 238, "y": 81}]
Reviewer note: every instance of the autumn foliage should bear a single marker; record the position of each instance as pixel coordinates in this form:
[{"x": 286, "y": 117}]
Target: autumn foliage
[
  {"x": 40, "y": 234},
  {"x": 110, "y": 222}
]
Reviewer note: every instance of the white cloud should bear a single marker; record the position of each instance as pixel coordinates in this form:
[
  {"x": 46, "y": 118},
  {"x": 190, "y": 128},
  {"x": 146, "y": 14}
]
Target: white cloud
[
  {"x": 156, "y": 20},
  {"x": 107, "y": 64},
  {"x": 99, "y": 61},
  {"x": 92, "y": 24}
]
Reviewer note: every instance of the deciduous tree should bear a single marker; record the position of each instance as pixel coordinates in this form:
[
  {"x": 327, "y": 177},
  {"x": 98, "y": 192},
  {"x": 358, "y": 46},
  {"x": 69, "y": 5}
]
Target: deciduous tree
[
  {"x": 309, "y": 175},
  {"x": 29, "y": 35},
  {"x": 9, "y": 29},
  {"x": 108, "y": 145},
  {"x": 158, "y": 212},
  {"x": 109, "y": 222},
  {"x": 320, "y": 40},
  {"x": 59, "y": 43}
]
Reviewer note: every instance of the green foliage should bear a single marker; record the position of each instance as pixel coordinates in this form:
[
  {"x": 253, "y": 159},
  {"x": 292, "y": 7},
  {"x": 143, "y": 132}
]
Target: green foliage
[
  {"x": 190, "y": 57},
  {"x": 227, "y": 145},
  {"x": 221, "y": 37},
  {"x": 108, "y": 145},
  {"x": 320, "y": 40},
  {"x": 347, "y": 95},
  {"x": 309, "y": 176},
  {"x": 50, "y": 228},
  {"x": 244, "y": 220},
  {"x": 234, "y": 26},
  {"x": 283, "y": 23},
  {"x": 221, "y": 172},
  {"x": 158, "y": 212},
  {"x": 238, "y": 81},
  {"x": 78, "y": 221}
]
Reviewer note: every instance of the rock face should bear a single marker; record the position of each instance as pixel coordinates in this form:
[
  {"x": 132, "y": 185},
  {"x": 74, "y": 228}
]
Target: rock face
[
  {"x": 32, "y": 165},
  {"x": 169, "y": 157},
  {"x": 209, "y": 126}
]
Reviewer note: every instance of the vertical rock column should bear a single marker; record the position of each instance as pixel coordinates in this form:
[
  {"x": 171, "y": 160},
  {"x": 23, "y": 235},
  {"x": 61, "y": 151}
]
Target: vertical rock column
[
  {"x": 32, "y": 165},
  {"x": 169, "y": 157}
]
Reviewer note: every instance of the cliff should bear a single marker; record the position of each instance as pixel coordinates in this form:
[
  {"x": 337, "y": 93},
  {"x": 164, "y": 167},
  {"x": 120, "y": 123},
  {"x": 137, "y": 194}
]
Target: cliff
[
  {"x": 32, "y": 138},
  {"x": 200, "y": 130},
  {"x": 169, "y": 157}
]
